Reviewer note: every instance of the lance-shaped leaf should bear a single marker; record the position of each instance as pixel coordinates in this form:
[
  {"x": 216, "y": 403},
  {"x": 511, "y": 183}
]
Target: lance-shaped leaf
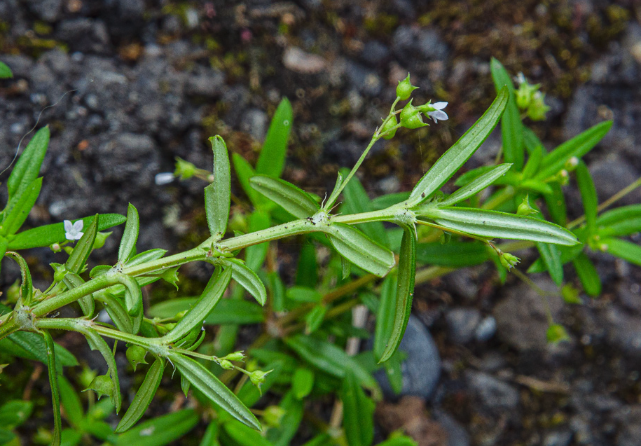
[
  {"x": 255, "y": 255},
  {"x": 358, "y": 412},
  {"x": 302, "y": 382},
  {"x": 245, "y": 171},
  {"x": 248, "y": 279},
  {"x": 203, "y": 380},
  {"x": 291, "y": 198},
  {"x": 272, "y": 156},
  {"x": 404, "y": 293},
  {"x": 143, "y": 397},
  {"x": 533, "y": 163},
  {"x": 55, "y": 233},
  {"x": 31, "y": 346},
  {"x": 211, "y": 435},
  {"x": 360, "y": 249},
  {"x": 78, "y": 258},
  {"x": 28, "y": 166},
  {"x": 70, "y": 402},
  {"x": 623, "y": 249},
  {"x": 116, "y": 312},
  {"x": 19, "y": 207},
  {"x": 97, "y": 343},
  {"x": 622, "y": 221},
  {"x": 460, "y": 152},
  {"x": 552, "y": 260},
  {"x": 556, "y": 204},
  {"x": 26, "y": 286},
  {"x": 87, "y": 304},
  {"x": 208, "y": 300},
  {"x": 283, "y": 434},
  {"x": 477, "y": 185},
  {"x": 331, "y": 359},
  {"x": 578, "y": 146},
  {"x": 314, "y": 318},
  {"x": 146, "y": 256},
  {"x": 511, "y": 126},
  {"x": 160, "y": 430},
  {"x": 55, "y": 391},
  {"x": 588, "y": 195},
  {"x": 385, "y": 315},
  {"x": 588, "y": 275},
  {"x": 453, "y": 254},
  {"x": 131, "y": 291},
  {"x": 501, "y": 225},
  {"x": 532, "y": 142},
  {"x": 130, "y": 236},
  {"x": 218, "y": 193},
  {"x": 242, "y": 435},
  {"x": 568, "y": 253}
]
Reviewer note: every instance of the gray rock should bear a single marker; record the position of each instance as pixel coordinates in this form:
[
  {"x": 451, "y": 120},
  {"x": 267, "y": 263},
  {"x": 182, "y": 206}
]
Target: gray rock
[
  {"x": 255, "y": 123},
  {"x": 493, "y": 394},
  {"x": 129, "y": 157},
  {"x": 456, "y": 434},
  {"x": 367, "y": 82},
  {"x": 422, "y": 368},
  {"x": 464, "y": 282},
  {"x": 131, "y": 9},
  {"x": 462, "y": 324},
  {"x": 85, "y": 35},
  {"x": 629, "y": 420},
  {"x": 613, "y": 174},
  {"x": 623, "y": 330},
  {"x": 206, "y": 83},
  {"x": 47, "y": 10},
  {"x": 410, "y": 43},
  {"x": 557, "y": 438},
  {"x": 521, "y": 316},
  {"x": 20, "y": 65},
  {"x": 485, "y": 329},
  {"x": 374, "y": 53}
]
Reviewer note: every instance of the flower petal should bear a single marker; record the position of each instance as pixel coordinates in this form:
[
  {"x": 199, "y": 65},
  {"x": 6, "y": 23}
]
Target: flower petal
[
  {"x": 68, "y": 225},
  {"x": 77, "y": 226},
  {"x": 438, "y": 115},
  {"x": 440, "y": 105},
  {"x": 79, "y": 235}
]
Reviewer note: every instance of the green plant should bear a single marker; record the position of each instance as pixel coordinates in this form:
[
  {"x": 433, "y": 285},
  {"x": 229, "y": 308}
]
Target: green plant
[{"x": 304, "y": 351}]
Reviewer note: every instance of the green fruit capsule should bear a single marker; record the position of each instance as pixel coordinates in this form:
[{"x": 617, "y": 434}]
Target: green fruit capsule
[
  {"x": 411, "y": 117},
  {"x": 102, "y": 385},
  {"x": 136, "y": 355},
  {"x": 405, "y": 88},
  {"x": 388, "y": 131}
]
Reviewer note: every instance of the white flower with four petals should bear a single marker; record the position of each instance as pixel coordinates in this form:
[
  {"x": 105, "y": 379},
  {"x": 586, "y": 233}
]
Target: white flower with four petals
[
  {"x": 72, "y": 230},
  {"x": 438, "y": 112}
]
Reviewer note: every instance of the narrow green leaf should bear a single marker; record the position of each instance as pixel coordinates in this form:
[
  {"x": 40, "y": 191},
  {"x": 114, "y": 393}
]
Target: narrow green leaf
[
  {"x": 87, "y": 304},
  {"x": 532, "y": 142},
  {"x": 511, "y": 126},
  {"x": 385, "y": 201},
  {"x": 588, "y": 275},
  {"x": 19, "y": 207},
  {"x": 218, "y": 194},
  {"x": 471, "y": 175},
  {"x": 630, "y": 252},
  {"x": 477, "y": 185},
  {"x": 203, "y": 380},
  {"x": 116, "y": 312},
  {"x": 577, "y": 146},
  {"x": 55, "y": 391},
  {"x": 588, "y": 195},
  {"x": 394, "y": 371},
  {"x": 5, "y": 73},
  {"x": 290, "y": 197},
  {"x": 160, "y": 431},
  {"x": 248, "y": 279},
  {"x": 385, "y": 315},
  {"x": 143, "y": 397},
  {"x": 533, "y": 163},
  {"x": 302, "y": 382},
  {"x": 359, "y": 249},
  {"x": 208, "y": 300},
  {"x": 272, "y": 156},
  {"x": 227, "y": 311},
  {"x": 453, "y": 254},
  {"x": 616, "y": 215},
  {"x": 28, "y": 165},
  {"x": 147, "y": 256},
  {"x": 255, "y": 255},
  {"x": 552, "y": 260},
  {"x": 78, "y": 258},
  {"x": 283, "y": 434},
  {"x": 452, "y": 160},
  {"x": 245, "y": 171},
  {"x": 556, "y": 204},
  {"x": 620, "y": 222},
  {"x": 399, "y": 441},
  {"x": 130, "y": 236},
  {"x": 278, "y": 292},
  {"x": 211, "y": 435},
  {"x": 314, "y": 318},
  {"x": 501, "y": 225},
  {"x": 31, "y": 346},
  {"x": 307, "y": 270},
  {"x": 358, "y": 412},
  {"x": 568, "y": 253},
  {"x": 330, "y": 359},
  {"x": 26, "y": 285},
  {"x": 14, "y": 413},
  {"x": 243, "y": 435},
  {"x": 304, "y": 294},
  {"x": 404, "y": 293},
  {"x": 55, "y": 233},
  {"x": 70, "y": 402}
]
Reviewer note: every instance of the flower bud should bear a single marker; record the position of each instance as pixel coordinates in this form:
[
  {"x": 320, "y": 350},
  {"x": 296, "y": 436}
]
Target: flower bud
[
  {"x": 101, "y": 238},
  {"x": 55, "y": 247},
  {"x": 537, "y": 109},
  {"x": 60, "y": 271},
  {"x": 556, "y": 333},
  {"x": 405, "y": 88},
  {"x": 184, "y": 169},
  {"x": 257, "y": 377},
  {"x": 411, "y": 117},
  {"x": 570, "y": 295},
  {"x": 525, "y": 208},
  {"x": 273, "y": 415},
  {"x": 508, "y": 260},
  {"x": 388, "y": 131},
  {"x": 136, "y": 355},
  {"x": 236, "y": 356},
  {"x": 102, "y": 385},
  {"x": 226, "y": 364}
]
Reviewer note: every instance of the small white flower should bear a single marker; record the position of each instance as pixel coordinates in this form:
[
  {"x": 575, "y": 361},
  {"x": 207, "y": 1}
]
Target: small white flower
[
  {"x": 164, "y": 178},
  {"x": 438, "y": 112},
  {"x": 72, "y": 230},
  {"x": 520, "y": 79}
]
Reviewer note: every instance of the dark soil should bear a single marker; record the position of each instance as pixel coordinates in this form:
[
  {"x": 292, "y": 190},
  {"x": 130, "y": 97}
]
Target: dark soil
[{"x": 131, "y": 84}]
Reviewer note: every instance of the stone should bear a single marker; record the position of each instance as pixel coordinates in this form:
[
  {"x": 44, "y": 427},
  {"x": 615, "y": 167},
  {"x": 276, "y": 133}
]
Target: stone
[
  {"x": 456, "y": 434},
  {"x": 462, "y": 324},
  {"x": 613, "y": 174},
  {"x": 422, "y": 367},
  {"x": 366, "y": 81},
  {"x": 557, "y": 438},
  {"x": 623, "y": 330},
  {"x": 374, "y": 53},
  {"x": 491, "y": 393},
  {"x": 128, "y": 157},
  {"x": 629, "y": 420},
  {"x": 486, "y": 329},
  {"x": 206, "y": 83},
  {"x": 255, "y": 123},
  {"x": 302, "y": 62},
  {"x": 47, "y": 10},
  {"x": 84, "y": 35}
]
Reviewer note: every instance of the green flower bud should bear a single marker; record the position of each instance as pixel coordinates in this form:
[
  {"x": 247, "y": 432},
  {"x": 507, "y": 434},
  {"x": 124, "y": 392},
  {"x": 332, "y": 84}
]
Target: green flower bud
[
  {"x": 102, "y": 385},
  {"x": 273, "y": 415},
  {"x": 411, "y": 117},
  {"x": 257, "y": 378},
  {"x": 226, "y": 364},
  {"x": 136, "y": 355},
  {"x": 184, "y": 169},
  {"x": 570, "y": 295},
  {"x": 556, "y": 333},
  {"x": 508, "y": 260},
  {"x": 525, "y": 208},
  {"x": 537, "y": 109},
  {"x": 101, "y": 238},
  {"x": 388, "y": 131},
  {"x": 171, "y": 276},
  {"x": 60, "y": 271},
  {"x": 55, "y": 247},
  {"x": 13, "y": 292},
  {"x": 405, "y": 88},
  {"x": 236, "y": 356},
  {"x": 570, "y": 165}
]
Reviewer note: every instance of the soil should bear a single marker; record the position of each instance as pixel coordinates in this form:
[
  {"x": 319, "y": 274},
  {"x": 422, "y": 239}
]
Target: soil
[{"x": 128, "y": 85}]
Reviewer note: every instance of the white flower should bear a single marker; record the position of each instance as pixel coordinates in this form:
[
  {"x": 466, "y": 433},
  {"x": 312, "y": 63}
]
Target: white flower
[
  {"x": 438, "y": 112},
  {"x": 163, "y": 178},
  {"x": 72, "y": 230}
]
